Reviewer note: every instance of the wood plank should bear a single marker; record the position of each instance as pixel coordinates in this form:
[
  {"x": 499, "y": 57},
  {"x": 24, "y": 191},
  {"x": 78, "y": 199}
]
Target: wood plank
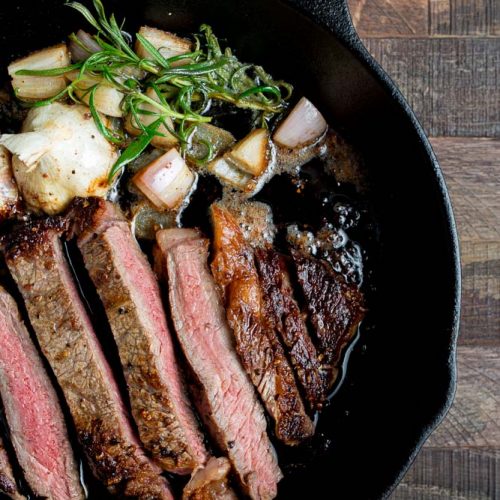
[
  {"x": 387, "y": 18},
  {"x": 453, "y": 84},
  {"x": 461, "y": 459},
  {"x": 390, "y": 17},
  {"x": 461, "y": 474},
  {"x": 480, "y": 322},
  {"x": 474, "y": 419},
  {"x": 464, "y": 17},
  {"x": 471, "y": 169}
]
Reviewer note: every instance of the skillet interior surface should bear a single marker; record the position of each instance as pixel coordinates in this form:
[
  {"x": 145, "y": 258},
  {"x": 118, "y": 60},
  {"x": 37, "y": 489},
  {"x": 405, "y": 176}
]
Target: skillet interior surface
[{"x": 401, "y": 377}]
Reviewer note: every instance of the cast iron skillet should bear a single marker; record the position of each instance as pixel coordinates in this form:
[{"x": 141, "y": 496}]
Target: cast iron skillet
[{"x": 401, "y": 377}]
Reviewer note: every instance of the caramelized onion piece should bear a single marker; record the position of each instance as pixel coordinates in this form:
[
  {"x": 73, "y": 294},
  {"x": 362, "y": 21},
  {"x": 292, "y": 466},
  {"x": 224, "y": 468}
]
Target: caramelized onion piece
[
  {"x": 166, "y": 181},
  {"x": 304, "y": 125}
]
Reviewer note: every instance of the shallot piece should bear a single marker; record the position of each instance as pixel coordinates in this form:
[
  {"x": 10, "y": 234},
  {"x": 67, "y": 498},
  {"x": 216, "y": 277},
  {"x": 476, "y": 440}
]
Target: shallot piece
[
  {"x": 60, "y": 154},
  {"x": 303, "y": 126},
  {"x": 221, "y": 140},
  {"x": 243, "y": 165},
  {"x": 35, "y": 88},
  {"x": 107, "y": 99},
  {"x": 251, "y": 153},
  {"x": 147, "y": 114},
  {"x": 83, "y": 47},
  {"x": 228, "y": 173},
  {"x": 167, "y": 44},
  {"x": 166, "y": 181}
]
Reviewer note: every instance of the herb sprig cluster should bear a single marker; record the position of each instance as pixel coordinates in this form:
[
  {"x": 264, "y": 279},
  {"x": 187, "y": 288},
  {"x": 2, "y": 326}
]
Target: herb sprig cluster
[{"x": 184, "y": 92}]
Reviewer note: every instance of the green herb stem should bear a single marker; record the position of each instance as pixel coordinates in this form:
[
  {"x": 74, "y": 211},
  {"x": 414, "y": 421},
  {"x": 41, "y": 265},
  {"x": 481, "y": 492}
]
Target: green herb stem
[{"x": 185, "y": 84}]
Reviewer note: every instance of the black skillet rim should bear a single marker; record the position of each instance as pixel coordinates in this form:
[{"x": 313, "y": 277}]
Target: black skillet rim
[{"x": 335, "y": 17}]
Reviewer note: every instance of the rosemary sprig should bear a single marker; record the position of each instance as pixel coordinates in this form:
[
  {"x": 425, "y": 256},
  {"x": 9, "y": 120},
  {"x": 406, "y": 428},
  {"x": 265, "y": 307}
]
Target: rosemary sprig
[
  {"x": 184, "y": 91},
  {"x": 135, "y": 148},
  {"x": 108, "y": 134}
]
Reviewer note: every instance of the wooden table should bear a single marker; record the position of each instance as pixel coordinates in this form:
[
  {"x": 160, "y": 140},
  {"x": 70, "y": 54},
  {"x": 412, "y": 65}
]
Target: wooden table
[{"x": 445, "y": 56}]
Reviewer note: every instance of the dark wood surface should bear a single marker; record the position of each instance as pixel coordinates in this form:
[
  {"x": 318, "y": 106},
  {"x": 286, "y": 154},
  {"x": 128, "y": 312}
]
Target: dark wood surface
[{"x": 445, "y": 56}]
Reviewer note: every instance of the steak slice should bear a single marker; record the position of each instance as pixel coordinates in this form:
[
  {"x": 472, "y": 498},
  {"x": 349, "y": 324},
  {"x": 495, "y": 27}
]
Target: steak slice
[
  {"x": 257, "y": 344},
  {"x": 210, "y": 482},
  {"x": 129, "y": 291},
  {"x": 35, "y": 257},
  {"x": 284, "y": 313},
  {"x": 36, "y": 422},
  {"x": 335, "y": 307},
  {"x": 8, "y": 485},
  {"x": 229, "y": 404}
]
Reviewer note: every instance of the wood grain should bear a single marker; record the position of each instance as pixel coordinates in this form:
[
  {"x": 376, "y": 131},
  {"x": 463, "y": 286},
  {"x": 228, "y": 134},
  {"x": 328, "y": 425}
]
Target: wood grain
[
  {"x": 453, "y": 84},
  {"x": 448, "y": 68},
  {"x": 474, "y": 419},
  {"x": 471, "y": 169},
  {"x": 459, "y": 474},
  {"x": 390, "y": 17},
  {"x": 481, "y": 294},
  {"x": 464, "y": 17},
  {"x": 461, "y": 459}
]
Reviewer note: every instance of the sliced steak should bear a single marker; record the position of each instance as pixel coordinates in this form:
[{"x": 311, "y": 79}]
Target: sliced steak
[
  {"x": 129, "y": 291},
  {"x": 36, "y": 422},
  {"x": 210, "y": 482},
  {"x": 285, "y": 315},
  {"x": 257, "y": 343},
  {"x": 228, "y": 404},
  {"x": 35, "y": 257},
  {"x": 8, "y": 485},
  {"x": 335, "y": 308}
]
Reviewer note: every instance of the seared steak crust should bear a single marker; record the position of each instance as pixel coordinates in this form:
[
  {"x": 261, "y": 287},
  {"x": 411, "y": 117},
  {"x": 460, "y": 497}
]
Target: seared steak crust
[
  {"x": 131, "y": 297},
  {"x": 257, "y": 344},
  {"x": 35, "y": 258},
  {"x": 335, "y": 308},
  {"x": 226, "y": 399},
  {"x": 8, "y": 486},
  {"x": 284, "y": 314}
]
